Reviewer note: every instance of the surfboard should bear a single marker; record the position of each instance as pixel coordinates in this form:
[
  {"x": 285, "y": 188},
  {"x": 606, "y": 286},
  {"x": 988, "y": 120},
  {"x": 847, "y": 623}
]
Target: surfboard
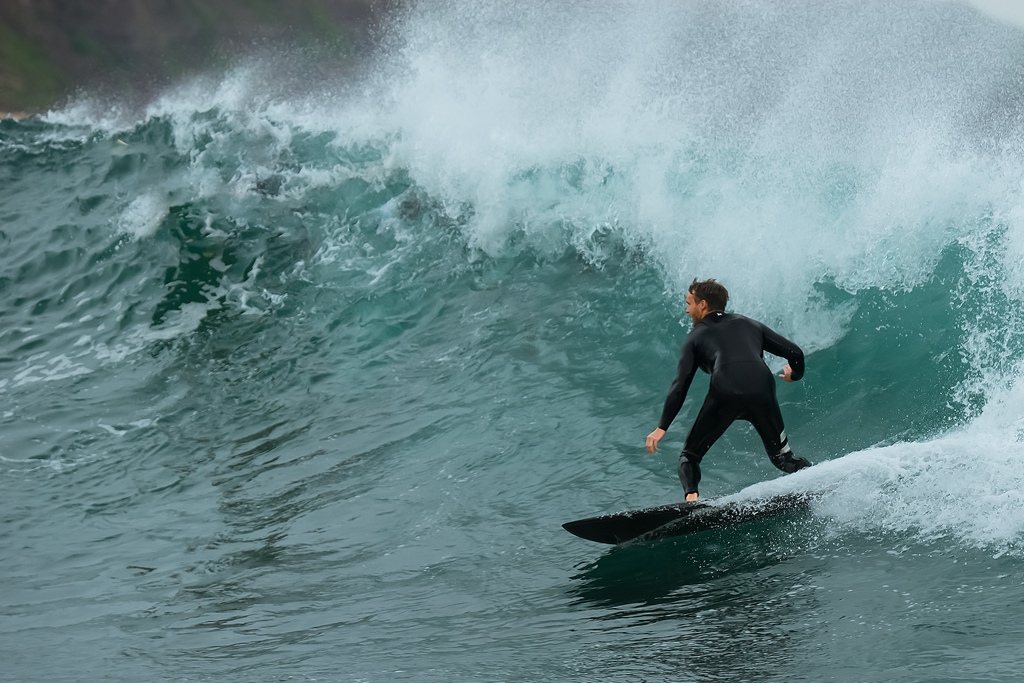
[{"x": 682, "y": 518}]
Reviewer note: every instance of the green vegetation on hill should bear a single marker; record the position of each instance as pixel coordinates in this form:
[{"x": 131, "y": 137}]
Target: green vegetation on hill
[{"x": 50, "y": 49}]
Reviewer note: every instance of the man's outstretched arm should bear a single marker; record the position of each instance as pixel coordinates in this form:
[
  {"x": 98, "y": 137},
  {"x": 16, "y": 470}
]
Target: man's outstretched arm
[{"x": 676, "y": 396}]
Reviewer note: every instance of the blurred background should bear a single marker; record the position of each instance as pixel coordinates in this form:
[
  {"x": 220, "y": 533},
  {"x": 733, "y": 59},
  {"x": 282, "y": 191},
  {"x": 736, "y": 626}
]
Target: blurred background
[{"x": 51, "y": 50}]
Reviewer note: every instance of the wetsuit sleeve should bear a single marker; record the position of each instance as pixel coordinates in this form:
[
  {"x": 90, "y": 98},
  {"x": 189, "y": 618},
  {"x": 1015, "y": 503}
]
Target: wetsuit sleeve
[
  {"x": 677, "y": 393},
  {"x": 776, "y": 344}
]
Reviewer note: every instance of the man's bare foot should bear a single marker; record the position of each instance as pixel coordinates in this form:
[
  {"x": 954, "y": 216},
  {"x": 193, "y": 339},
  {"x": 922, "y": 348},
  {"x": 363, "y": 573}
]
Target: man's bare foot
[{"x": 690, "y": 497}]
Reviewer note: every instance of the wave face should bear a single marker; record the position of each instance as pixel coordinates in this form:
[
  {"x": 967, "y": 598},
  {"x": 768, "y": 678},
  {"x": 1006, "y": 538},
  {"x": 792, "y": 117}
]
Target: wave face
[{"x": 300, "y": 378}]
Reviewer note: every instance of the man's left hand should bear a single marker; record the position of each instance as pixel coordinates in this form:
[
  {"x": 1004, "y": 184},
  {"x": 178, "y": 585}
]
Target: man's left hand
[{"x": 787, "y": 373}]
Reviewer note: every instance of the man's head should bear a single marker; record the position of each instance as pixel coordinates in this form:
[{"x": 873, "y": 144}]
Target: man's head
[{"x": 704, "y": 297}]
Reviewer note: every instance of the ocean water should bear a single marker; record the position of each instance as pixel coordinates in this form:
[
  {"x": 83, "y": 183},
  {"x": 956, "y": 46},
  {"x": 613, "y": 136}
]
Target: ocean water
[{"x": 298, "y": 381}]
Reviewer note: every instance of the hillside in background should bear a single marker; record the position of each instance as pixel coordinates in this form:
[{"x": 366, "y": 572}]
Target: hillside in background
[{"x": 52, "y": 49}]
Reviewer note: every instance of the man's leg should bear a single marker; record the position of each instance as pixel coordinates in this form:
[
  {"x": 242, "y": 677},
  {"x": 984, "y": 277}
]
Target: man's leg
[
  {"x": 767, "y": 420},
  {"x": 714, "y": 418}
]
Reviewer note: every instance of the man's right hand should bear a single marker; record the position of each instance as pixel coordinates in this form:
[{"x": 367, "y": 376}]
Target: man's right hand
[{"x": 653, "y": 438}]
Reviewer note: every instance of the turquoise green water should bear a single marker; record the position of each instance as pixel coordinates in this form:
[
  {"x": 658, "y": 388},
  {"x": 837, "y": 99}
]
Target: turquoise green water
[{"x": 300, "y": 383}]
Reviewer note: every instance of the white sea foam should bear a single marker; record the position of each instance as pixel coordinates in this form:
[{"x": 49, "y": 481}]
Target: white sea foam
[
  {"x": 965, "y": 485},
  {"x": 143, "y": 215},
  {"x": 749, "y": 161},
  {"x": 41, "y": 368}
]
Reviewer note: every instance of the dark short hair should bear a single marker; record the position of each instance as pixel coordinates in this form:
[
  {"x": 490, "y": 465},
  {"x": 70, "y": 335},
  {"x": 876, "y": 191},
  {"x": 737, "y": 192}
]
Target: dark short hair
[{"x": 709, "y": 290}]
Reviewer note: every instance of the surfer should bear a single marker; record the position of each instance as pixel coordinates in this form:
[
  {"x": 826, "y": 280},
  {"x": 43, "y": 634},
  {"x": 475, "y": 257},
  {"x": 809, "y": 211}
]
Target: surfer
[{"x": 729, "y": 347}]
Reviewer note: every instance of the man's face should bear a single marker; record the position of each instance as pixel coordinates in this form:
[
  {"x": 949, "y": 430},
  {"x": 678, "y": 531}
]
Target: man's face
[{"x": 695, "y": 308}]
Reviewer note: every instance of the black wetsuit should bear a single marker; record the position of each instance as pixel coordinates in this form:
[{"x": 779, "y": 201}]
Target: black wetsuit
[{"x": 731, "y": 348}]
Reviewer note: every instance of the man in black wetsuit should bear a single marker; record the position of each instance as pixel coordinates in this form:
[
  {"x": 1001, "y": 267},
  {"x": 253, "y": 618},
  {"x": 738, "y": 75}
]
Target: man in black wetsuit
[{"x": 730, "y": 348}]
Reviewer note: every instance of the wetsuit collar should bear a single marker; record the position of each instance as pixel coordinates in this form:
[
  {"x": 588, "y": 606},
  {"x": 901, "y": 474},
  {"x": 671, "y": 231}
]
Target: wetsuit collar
[{"x": 713, "y": 317}]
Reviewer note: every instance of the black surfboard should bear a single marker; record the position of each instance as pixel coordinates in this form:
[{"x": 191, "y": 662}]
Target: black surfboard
[{"x": 682, "y": 518}]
